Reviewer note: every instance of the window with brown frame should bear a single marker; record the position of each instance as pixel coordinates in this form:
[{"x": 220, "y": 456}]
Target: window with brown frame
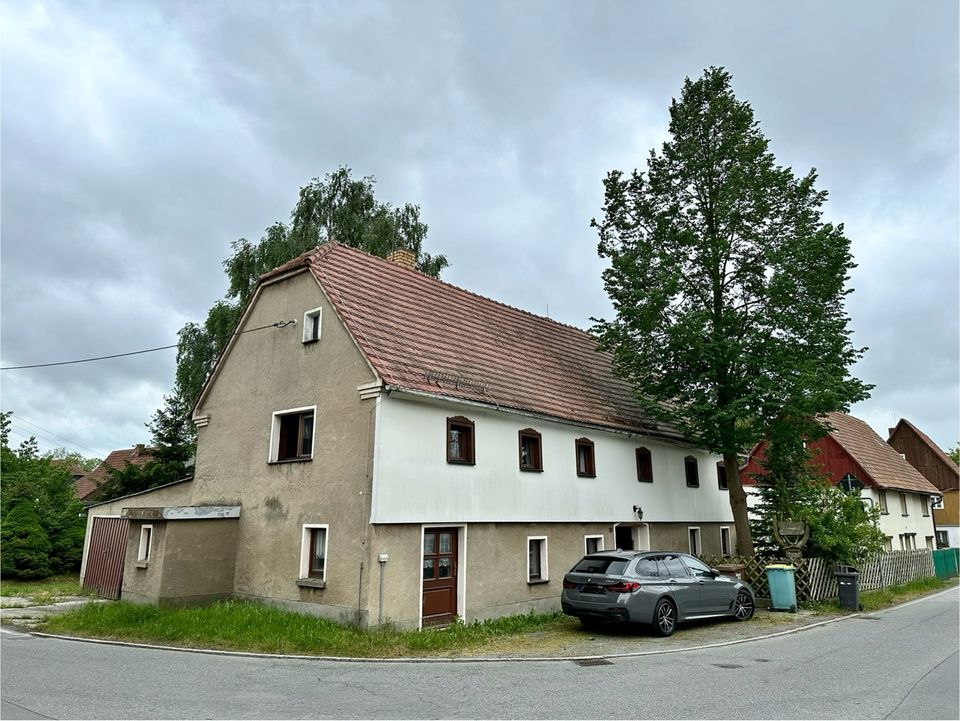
[
  {"x": 883, "y": 503},
  {"x": 460, "y": 448},
  {"x": 722, "y": 477},
  {"x": 691, "y": 471},
  {"x": 295, "y": 436},
  {"x": 903, "y": 505},
  {"x": 644, "y": 465},
  {"x": 531, "y": 456},
  {"x": 586, "y": 467}
]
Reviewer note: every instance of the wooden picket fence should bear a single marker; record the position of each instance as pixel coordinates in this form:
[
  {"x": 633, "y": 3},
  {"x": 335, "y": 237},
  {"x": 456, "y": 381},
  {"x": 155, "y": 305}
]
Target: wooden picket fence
[{"x": 815, "y": 579}]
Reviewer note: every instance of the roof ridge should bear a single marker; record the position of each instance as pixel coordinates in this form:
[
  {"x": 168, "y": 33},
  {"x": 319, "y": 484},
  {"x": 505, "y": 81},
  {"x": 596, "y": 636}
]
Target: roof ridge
[
  {"x": 418, "y": 274},
  {"x": 867, "y": 433},
  {"x": 942, "y": 454}
]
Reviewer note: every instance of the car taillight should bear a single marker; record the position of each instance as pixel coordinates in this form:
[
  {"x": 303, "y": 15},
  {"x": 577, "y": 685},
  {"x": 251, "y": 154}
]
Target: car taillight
[
  {"x": 624, "y": 587},
  {"x": 569, "y": 584}
]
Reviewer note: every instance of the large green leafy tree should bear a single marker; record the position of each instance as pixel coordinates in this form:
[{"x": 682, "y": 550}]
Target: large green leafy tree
[
  {"x": 42, "y": 521},
  {"x": 727, "y": 284}
]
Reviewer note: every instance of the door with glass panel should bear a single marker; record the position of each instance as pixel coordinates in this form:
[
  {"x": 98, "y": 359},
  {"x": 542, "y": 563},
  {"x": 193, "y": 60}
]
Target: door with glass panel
[{"x": 439, "y": 574}]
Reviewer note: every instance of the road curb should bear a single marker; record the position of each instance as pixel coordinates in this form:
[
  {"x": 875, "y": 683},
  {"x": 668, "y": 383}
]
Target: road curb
[{"x": 478, "y": 659}]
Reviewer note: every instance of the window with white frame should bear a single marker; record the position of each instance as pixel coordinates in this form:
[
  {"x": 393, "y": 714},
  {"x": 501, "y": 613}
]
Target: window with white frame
[
  {"x": 291, "y": 435},
  {"x": 903, "y": 505},
  {"x": 936, "y": 502},
  {"x": 908, "y": 541},
  {"x": 888, "y": 544},
  {"x": 924, "y": 505},
  {"x": 726, "y": 548},
  {"x": 313, "y": 551},
  {"x": 592, "y": 544},
  {"x": 537, "y": 559},
  {"x": 146, "y": 540},
  {"x": 883, "y": 502},
  {"x": 311, "y": 325},
  {"x": 930, "y": 543},
  {"x": 693, "y": 533}
]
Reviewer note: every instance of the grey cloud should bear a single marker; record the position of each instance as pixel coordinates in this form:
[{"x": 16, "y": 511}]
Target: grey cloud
[{"x": 140, "y": 139}]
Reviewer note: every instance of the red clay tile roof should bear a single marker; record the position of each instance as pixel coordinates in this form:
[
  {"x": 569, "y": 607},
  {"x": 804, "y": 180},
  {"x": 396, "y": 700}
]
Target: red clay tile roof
[
  {"x": 948, "y": 461},
  {"x": 86, "y": 487},
  {"x": 421, "y": 334},
  {"x": 876, "y": 456}
]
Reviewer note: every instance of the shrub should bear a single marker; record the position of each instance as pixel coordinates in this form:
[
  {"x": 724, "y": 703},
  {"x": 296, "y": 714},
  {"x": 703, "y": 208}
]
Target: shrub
[{"x": 26, "y": 548}]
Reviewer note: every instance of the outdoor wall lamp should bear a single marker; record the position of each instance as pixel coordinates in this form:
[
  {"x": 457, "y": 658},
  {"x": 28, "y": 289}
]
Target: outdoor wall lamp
[{"x": 639, "y": 511}]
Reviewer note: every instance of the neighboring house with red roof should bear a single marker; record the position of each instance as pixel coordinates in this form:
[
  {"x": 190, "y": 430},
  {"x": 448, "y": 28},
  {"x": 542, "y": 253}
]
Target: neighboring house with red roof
[
  {"x": 938, "y": 468},
  {"x": 405, "y": 432},
  {"x": 856, "y": 458},
  {"x": 87, "y": 487}
]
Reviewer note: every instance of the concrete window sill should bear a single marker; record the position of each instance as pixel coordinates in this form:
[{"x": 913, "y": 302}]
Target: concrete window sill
[
  {"x": 143, "y": 564},
  {"x": 538, "y": 582},
  {"x": 311, "y": 583}
]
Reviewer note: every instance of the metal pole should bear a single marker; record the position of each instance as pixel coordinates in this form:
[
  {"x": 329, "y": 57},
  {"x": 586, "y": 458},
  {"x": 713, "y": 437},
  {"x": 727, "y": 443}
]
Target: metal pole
[{"x": 383, "y": 564}]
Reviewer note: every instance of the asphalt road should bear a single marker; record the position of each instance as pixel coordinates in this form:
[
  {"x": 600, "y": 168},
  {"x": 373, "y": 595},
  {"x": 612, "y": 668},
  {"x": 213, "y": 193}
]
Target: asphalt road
[{"x": 899, "y": 663}]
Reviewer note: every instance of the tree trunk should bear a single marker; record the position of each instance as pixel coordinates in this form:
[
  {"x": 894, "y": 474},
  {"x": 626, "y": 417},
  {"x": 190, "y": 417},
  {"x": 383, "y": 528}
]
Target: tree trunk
[{"x": 738, "y": 504}]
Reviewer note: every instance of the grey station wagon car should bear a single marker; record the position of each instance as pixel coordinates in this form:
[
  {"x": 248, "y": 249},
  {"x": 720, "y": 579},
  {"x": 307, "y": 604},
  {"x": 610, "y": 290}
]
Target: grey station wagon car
[{"x": 659, "y": 588}]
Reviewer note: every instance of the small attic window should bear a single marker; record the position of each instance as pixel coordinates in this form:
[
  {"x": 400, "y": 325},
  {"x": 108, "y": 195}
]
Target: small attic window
[{"x": 311, "y": 325}]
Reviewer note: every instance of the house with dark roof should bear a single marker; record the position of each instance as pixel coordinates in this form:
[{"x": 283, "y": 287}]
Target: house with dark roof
[
  {"x": 853, "y": 456},
  {"x": 408, "y": 440},
  {"x": 938, "y": 468},
  {"x": 87, "y": 487}
]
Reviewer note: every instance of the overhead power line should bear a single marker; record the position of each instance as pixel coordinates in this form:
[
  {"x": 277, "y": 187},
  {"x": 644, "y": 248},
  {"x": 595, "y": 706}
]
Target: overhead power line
[
  {"x": 278, "y": 324},
  {"x": 20, "y": 419}
]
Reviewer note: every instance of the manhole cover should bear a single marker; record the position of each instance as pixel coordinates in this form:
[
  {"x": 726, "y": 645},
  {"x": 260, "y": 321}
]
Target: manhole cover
[
  {"x": 728, "y": 665},
  {"x": 593, "y": 662}
]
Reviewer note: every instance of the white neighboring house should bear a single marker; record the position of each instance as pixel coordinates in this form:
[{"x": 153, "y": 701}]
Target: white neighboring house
[{"x": 855, "y": 457}]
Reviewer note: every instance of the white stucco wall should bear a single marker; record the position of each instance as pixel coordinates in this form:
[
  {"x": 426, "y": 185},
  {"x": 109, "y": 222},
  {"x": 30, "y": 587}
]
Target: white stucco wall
[
  {"x": 893, "y": 522},
  {"x": 413, "y": 483}
]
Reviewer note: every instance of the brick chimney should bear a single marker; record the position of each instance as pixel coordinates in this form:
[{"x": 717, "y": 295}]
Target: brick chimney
[{"x": 404, "y": 258}]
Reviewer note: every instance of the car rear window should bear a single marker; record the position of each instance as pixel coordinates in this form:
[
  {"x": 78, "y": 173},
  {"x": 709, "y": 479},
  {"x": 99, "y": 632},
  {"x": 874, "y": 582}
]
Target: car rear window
[{"x": 601, "y": 564}]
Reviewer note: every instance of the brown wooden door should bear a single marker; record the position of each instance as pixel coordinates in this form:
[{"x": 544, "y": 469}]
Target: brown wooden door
[
  {"x": 105, "y": 555},
  {"x": 439, "y": 573}
]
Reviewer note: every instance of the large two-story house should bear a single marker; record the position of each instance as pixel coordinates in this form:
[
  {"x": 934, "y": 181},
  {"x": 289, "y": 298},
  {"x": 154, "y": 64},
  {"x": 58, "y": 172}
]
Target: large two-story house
[{"x": 406, "y": 440}]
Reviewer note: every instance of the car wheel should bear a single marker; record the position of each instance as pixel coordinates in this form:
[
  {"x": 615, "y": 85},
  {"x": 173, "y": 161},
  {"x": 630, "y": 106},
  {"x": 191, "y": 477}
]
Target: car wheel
[
  {"x": 664, "y": 617},
  {"x": 743, "y": 606}
]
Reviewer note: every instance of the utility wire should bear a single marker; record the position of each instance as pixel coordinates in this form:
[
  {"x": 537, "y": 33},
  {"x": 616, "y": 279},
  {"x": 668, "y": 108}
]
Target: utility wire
[
  {"x": 278, "y": 324},
  {"x": 19, "y": 419}
]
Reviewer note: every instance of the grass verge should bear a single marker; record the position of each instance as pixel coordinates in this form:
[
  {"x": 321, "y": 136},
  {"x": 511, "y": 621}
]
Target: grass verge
[
  {"x": 44, "y": 591},
  {"x": 245, "y": 626},
  {"x": 885, "y": 597}
]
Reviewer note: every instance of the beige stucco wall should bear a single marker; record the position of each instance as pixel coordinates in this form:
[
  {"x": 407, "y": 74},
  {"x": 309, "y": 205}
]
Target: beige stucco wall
[
  {"x": 191, "y": 562},
  {"x": 492, "y": 568},
  {"x": 198, "y": 560},
  {"x": 273, "y": 370},
  {"x": 142, "y": 581},
  {"x": 675, "y": 537}
]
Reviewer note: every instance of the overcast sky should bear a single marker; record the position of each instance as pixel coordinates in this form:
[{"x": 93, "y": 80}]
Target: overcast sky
[{"x": 139, "y": 140}]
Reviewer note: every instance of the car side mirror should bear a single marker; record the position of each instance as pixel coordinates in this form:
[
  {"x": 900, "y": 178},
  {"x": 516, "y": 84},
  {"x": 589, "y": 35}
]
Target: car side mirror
[{"x": 715, "y": 572}]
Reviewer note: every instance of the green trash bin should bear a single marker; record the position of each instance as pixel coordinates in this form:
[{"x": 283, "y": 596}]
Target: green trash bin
[{"x": 783, "y": 587}]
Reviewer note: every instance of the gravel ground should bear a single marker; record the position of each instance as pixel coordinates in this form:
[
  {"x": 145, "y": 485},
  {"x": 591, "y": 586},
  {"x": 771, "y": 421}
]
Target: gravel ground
[{"x": 574, "y": 640}]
